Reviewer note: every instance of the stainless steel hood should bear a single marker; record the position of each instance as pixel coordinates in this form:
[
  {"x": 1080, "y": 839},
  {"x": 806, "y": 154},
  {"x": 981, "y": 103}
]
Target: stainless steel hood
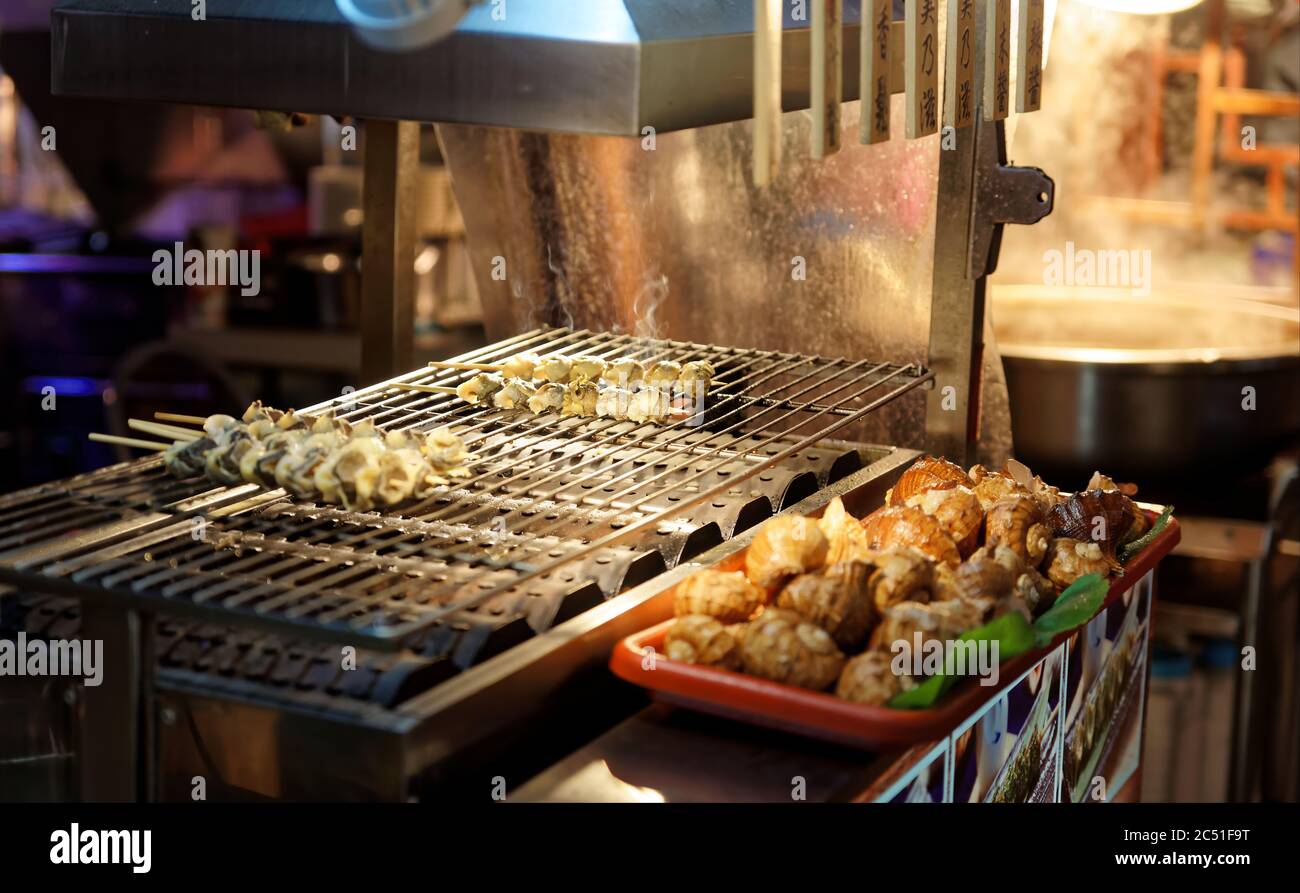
[{"x": 583, "y": 66}]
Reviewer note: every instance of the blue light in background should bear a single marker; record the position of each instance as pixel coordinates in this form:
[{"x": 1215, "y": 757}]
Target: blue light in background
[{"x": 64, "y": 386}]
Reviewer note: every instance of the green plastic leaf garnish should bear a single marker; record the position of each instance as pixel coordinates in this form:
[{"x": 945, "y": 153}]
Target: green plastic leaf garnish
[
  {"x": 1128, "y": 551},
  {"x": 1011, "y": 631},
  {"x": 1077, "y": 604},
  {"x": 1014, "y": 635}
]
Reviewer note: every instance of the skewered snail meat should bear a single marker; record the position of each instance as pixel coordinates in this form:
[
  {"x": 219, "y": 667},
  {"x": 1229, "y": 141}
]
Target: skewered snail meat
[
  {"x": 547, "y": 398},
  {"x": 1069, "y": 559},
  {"x": 613, "y": 403},
  {"x": 869, "y": 678},
  {"x": 700, "y": 639},
  {"x": 926, "y": 474},
  {"x": 647, "y": 404},
  {"x": 696, "y": 376},
  {"x": 514, "y": 395},
  {"x": 554, "y": 368},
  {"x": 480, "y": 388},
  {"x": 905, "y": 525},
  {"x": 729, "y": 597},
  {"x": 781, "y": 646},
  {"x": 1017, "y": 523},
  {"x": 624, "y": 373},
  {"x": 957, "y": 510},
  {"x": 589, "y": 368},
  {"x": 521, "y": 366},
  {"x": 1102, "y": 516},
  {"x": 664, "y": 372},
  {"x": 785, "y": 546},
  {"x": 835, "y": 600},
  {"x": 580, "y": 399},
  {"x": 188, "y": 458}
]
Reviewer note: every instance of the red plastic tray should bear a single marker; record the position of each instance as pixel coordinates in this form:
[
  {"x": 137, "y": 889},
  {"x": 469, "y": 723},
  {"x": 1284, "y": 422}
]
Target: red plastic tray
[{"x": 820, "y": 715}]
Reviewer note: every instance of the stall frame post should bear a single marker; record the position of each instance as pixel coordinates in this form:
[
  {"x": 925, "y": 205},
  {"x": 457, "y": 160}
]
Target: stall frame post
[{"x": 391, "y": 170}]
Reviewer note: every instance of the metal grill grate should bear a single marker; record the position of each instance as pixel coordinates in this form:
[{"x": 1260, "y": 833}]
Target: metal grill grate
[{"x": 554, "y": 508}]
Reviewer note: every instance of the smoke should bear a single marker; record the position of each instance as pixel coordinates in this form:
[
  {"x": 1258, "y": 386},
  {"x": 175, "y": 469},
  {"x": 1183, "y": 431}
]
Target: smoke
[
  {"x": 562, "y": 293},
  {"x": 646, "y": 305}
]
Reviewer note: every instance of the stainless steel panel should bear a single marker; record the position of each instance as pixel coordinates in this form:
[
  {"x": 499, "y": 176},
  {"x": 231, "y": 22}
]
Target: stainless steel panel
[{"x": 670, "y": 237}]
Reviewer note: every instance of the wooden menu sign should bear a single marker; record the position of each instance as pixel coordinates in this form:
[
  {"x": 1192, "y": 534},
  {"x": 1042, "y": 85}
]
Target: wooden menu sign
[
  {"x": 1029, "y": 56},
  {"x": 827, "y": 76},
  {"x": 767, "y": 90},
  {"x": 873, "y": 89},
  {"x": 959, "y": 71},
  {"x": 921, "y": 67},
  {"x": 997, "y": 60}
]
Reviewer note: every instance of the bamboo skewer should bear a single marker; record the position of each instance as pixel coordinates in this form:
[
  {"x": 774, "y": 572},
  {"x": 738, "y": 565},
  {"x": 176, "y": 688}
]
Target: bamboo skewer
[
  {"x": 159, "y": 430},
  {"x": 177, "y": 417},
  {"x": 129, "y": 441},
  {"x": 476, "y": 367},
  {"x": 424, "y": 388}
]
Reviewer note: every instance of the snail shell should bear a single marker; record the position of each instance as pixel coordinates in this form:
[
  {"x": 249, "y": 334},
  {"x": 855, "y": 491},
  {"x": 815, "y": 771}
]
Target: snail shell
[
  {"x": 785, "y": 546},
  {"x": 729, "y": 597},
  {"x": 1069, "y": 559},
  {"x": 901, "y": 574},
  {"x": 958, "y": 511},
  {"x": 941, "y": 621},
  {"x": 1037, "y": 591},
  {"x": 781, "y": 646},
  {"x": 983, "y": 576},
  {"x": 993, "y": 487},
  {"x": 1102, "y": 516},
  {"x": 926, "y": 474},
  {"x": 700, "y": 639},
  {"x": 1017, "y": 523},
  {"x": 845, "y": 538},
  {"x": 836, "y": 600},
  {"x": 906, "y": 525},
  {"x": 869, "y": 678}
]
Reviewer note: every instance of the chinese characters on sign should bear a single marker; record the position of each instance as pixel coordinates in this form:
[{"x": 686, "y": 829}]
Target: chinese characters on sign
[
  {"x": 959, "y": 73},
  {"x": 1029, "y": 62},
  {"x": 827, "y": 76},
  {"x": 997, "y": 60},
  {"x": 921, "y": 68},
  {"x": 874, "y": 86}
]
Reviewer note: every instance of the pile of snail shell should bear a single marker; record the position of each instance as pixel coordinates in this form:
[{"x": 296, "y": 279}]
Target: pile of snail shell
[{"x": 820, "y": 601}]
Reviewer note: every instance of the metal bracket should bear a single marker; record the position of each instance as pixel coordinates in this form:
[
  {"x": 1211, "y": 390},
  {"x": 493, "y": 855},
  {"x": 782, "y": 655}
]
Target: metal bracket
[{"x": 1003, "y": 194}]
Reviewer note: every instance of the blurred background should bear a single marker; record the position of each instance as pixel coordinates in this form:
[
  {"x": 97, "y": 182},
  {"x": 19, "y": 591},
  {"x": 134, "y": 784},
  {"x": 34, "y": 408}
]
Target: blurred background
[{"x": 1172, "y": 130}]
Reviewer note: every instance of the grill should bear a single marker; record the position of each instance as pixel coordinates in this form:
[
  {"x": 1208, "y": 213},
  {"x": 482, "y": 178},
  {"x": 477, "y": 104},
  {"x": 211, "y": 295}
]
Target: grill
[
  {"x": 248, "y": 595},
  {"x": 557, "y": 515}
]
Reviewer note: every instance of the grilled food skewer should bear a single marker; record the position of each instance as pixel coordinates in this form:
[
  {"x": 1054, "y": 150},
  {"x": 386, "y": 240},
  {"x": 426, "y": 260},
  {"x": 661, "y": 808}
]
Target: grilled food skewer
[{"x": 322, "y": 458}]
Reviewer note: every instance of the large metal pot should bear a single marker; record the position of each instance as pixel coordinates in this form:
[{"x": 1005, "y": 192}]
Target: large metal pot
[{"x": 1152, "y": 386}]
